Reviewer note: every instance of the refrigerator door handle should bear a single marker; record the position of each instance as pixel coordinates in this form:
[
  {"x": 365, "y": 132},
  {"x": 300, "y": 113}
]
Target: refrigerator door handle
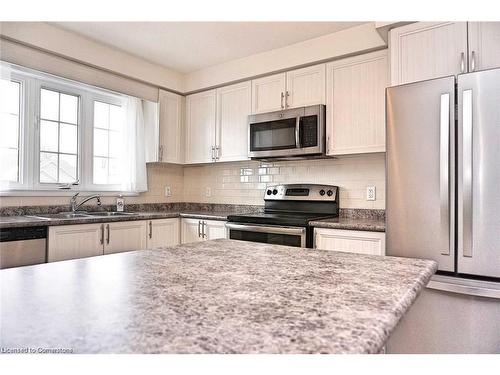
[
  {"x": 444, "y": 166},
  {"x": 465, "y": 214}
]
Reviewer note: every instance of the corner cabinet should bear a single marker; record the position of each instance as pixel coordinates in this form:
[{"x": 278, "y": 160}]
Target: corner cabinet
[
  {"x": 351, "y": 241},
  {"x": 355, "y": 97},
  {"x": 196, "y": 230},
  {"x": 234, "y": 104},
  {"x": 200, "y": 127},
  {"x": 162, "y": 233},
  {"x": 295, "y": 88},
  {"x": 171, "y": 119},
  {"x": 484, "y": 45}
]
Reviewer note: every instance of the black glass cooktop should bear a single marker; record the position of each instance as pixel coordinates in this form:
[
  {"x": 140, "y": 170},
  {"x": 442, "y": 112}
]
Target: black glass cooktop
[{"x": 298, "y": 219}]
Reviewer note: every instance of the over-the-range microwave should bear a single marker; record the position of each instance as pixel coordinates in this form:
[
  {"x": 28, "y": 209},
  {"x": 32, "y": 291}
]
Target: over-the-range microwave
[{"x": 291, "y": 133}]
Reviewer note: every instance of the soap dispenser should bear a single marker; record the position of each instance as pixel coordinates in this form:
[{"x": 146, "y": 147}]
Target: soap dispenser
[{"x": 120, "y": 203}]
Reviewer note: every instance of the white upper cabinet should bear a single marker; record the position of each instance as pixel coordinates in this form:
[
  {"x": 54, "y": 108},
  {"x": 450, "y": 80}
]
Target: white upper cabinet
[
  {"x": 305, "y": 86},
  {"x": 171, "y": 112},
  {"x": 268, "y": 93},
  {"x": 356, "y": 104},
  {"x": 200, "y": 127},
  {"x": 427, "y": 50},
  {"x": 484, "y": 45},
  {"x": 234, "y": 104}
]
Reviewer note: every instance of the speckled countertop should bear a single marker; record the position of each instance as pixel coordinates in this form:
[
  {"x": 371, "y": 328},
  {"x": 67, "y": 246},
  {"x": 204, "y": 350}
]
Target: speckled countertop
[
  {"x": 349, "y": 223},
  {"x": 220, "y": 296}
]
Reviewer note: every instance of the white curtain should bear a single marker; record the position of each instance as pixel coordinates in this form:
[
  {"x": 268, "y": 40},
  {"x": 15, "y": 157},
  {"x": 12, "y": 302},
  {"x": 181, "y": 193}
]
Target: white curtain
[{"x": 134, "y": 155}]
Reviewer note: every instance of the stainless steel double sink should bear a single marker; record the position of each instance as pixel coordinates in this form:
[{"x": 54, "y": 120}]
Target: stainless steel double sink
[{"x": 82, "y": 215}]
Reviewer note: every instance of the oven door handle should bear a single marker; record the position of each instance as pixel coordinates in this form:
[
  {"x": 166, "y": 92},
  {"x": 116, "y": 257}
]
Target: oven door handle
[{"x": 267, "y": 229}]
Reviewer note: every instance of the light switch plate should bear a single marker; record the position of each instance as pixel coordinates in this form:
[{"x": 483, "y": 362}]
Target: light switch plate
[
  {"x": 208, "y": 192},
  {"x": 168, "y": 191},
  {"x": 370, "y": 193}
]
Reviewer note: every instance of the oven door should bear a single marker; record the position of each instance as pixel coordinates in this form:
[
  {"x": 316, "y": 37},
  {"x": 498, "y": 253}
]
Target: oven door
[{"x": 271, "y": 234}]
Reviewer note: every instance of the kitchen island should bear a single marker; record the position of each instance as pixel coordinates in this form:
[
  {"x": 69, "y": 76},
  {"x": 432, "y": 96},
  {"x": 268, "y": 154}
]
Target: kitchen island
[{"x": 220, "y": 296}]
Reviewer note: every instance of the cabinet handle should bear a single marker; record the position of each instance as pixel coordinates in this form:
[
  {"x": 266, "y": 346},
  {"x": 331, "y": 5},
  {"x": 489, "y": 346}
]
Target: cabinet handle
[
  {"x": 101, "y": 241},
  {"x": 217, "y": 152},
  {"x": 286, "y": 99},
  {"x": 161, "y": 153},
  {"x": 473, "y": 61},
  {"x": 150, "y": 229},
  {"x": 282, "y": 97},
  {"x": 203, "y": 234},
  {"x": 199, "y": 228},
  {"x": 213, "y": 153},
  {"x": 462, "y": 62},
  {"x": 107, "y": 234},
  {"x": 328, "y": 145}
]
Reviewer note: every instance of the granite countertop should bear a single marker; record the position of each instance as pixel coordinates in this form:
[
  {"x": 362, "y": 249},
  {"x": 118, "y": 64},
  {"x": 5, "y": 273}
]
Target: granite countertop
[
  {"x": 34, "y": 220},
  {"x": 350, "y": 223},
  {"x": 220, "y": 296}
]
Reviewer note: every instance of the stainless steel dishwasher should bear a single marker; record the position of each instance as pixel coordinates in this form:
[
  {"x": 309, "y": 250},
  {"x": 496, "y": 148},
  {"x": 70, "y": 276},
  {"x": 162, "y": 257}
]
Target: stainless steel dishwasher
[{"x": 22, "y": 246}]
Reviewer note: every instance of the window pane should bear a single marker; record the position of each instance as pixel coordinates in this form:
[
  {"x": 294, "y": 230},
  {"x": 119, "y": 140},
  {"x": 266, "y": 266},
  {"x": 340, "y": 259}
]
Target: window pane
[
  {"x": 114, "y": 171},
  {"x": 115, "y": 144},
  {"x": 100, "y": 170},
  {"x": 116, "y": 117},
  {"x": 100, "y": 142},
  {"x": 9, "y": 128},
  {"x": 48, "y": 167},
  {"x": 9, "y": 165},
  {"x": 49, "y": 105},
  {"x": 67, "y": 168},
  {"x": 9, "y": 96},
  {"x": 101, "y": 115},
  {"x": 69, "y": 108},
  {"x": 48, "y": 136},
  {"x": 68, "y": 138}
]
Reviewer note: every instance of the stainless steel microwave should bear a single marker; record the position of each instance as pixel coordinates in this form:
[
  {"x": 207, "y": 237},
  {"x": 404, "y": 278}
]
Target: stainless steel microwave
[{"x": 288, "y": 133}]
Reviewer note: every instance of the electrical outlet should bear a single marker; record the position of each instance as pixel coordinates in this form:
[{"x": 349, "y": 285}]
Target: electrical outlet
[
  {"x": 208, "y": 192},
  {"x": 370, "y": 193},
  {"x": 168, "y": 191}
]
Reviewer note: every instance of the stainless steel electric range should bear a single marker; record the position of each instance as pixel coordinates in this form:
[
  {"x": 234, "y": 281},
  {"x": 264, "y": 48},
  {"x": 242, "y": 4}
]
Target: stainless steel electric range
[{"x": 287, "y": 212}]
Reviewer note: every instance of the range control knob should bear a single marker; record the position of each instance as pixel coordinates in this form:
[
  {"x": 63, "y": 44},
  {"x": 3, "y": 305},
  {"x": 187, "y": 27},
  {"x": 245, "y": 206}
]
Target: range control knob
[
  {"x": 329, "y": 193},
  {"x": 275, "y": 192},
  {"x": 269, "y": 192},
  {"x": 322, "y": 192}
]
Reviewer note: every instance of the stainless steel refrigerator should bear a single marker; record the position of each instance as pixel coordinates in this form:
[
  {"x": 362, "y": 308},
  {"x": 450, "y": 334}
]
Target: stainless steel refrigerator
[
  {"x": 443, "y": 172},
  {"x": 443, "y": 203}
]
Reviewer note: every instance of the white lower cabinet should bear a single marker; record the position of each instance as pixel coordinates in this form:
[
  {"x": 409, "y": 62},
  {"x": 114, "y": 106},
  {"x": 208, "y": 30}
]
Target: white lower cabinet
[
  {"x": 350, "y": 241},
  {"x": 163, "y": 232},
  {"x": 195, "y": 230},
  {"x": 124, "y": 236},
  {"x": 75, "y": 241}
]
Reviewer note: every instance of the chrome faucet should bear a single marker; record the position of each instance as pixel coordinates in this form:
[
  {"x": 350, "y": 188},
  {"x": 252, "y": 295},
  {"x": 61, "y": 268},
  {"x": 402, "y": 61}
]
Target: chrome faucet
[{"x": 75, "y": 206}]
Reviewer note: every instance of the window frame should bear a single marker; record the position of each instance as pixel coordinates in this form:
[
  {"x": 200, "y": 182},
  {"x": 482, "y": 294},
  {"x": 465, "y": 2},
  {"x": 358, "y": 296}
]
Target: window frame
[{"x": 29, "y": 136}]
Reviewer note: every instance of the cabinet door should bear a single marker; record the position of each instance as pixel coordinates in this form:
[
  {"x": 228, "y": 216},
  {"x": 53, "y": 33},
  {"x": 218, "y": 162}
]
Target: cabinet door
[
  {"x": 171, "y": 143},
  {"x": 191, "y": 230},
  {"x": 75, "y": 241},
  {"x": 484, "y": 45},
  {"x": 350, "y": 241},
  {"x": 234, "y": 104},
  {"x": 215, "y": 229},
  {"x": 356, "y": 104},
  {"x": 427, "y": 50},
  {"x": 200, "y": 127},
  {"x": 124, "y": 236},
  {"x": 268, "y": 93},
  {"x": 305, "y": 86},
  {"x": 162, "y": 233}
]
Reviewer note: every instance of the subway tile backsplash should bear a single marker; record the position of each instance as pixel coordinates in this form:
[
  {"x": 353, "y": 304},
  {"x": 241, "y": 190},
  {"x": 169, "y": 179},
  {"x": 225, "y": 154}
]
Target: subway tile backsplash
[{"x": 245, "y": 182}]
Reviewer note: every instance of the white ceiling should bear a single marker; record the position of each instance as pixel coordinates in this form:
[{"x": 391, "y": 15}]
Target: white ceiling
[{"x": 189, "y": 46}]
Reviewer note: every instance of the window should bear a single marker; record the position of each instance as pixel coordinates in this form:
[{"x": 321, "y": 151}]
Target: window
[
  {"x": 10, "y": 120},
  {"x": 58, "y": 137},
  {"x": 57, "y": 133},
  {"x": 108, "y": 141}
]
